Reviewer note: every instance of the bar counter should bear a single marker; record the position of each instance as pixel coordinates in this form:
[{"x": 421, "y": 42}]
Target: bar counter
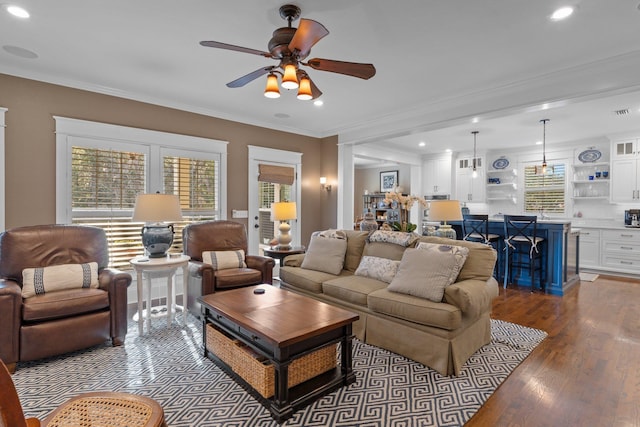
[{"x": 561, "y": 266}]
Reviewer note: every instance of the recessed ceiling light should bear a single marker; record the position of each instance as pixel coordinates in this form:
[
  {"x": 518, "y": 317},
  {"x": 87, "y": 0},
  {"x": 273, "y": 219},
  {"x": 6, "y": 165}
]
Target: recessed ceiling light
[
  {"x": 538, "y": 142},
  {"x": 422, "y": 144},
  {"x": 562, "y": 13},
  {"x": 17, "y": 11},
  {"x": 545, "y": 106},
  {"x": 448, "y": 150},
  {"x": 475, "y": 120},
  {"x": 318, "y": 102}
]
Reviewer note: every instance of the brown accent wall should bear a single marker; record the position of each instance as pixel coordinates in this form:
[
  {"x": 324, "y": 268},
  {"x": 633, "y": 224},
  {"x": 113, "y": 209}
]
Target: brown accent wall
[
  {"x": 30, "y": 147},
  {"x": 329, "y": 199}
]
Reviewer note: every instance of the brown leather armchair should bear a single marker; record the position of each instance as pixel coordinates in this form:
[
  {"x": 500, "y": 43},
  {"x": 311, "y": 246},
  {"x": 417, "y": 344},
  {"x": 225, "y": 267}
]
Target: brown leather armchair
[
  {"x": 59, "y": 321},
  {"x": 220, "y": 236}
]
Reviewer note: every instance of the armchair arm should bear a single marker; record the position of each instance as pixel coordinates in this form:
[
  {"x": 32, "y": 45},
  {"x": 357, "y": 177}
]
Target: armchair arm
[
  {"x": 472, "y": 296},
  {"x": 262, "y": 263},
  {"x": 10, "y": 309},
  {"x": 116, "y": 282}
]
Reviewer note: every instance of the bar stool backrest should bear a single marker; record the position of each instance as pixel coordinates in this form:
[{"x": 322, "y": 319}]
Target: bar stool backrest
[
  {"x": 475, "y": 226},
  {"x": 521, "y": 229}
]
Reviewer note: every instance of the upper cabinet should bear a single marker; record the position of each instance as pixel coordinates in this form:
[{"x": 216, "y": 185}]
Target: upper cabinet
[
  {"x": 469, "y": 188},
  {"x": 437, "y": 176},
  {"x": 625, "y": 180}
]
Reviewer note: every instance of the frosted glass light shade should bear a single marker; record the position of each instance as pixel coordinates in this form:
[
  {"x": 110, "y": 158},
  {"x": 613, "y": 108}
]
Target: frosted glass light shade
[
  {"x": 289, "y": 80},
  {"x": 304, "y": 91},
  {"x": 272, "y": 90}
]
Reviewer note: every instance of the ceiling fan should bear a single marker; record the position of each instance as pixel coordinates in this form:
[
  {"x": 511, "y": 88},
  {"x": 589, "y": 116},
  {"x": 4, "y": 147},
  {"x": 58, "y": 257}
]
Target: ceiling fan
[{"x": 291, "y": 46}]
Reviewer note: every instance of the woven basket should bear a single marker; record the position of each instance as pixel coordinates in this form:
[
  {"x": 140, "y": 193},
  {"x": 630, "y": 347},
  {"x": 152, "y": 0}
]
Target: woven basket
[{"x": 260, "y": 374}]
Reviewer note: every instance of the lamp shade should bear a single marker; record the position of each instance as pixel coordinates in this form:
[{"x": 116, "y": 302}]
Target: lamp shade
[
  {"x": 272, "y": 91},
  {"x": 282, "y": 211},
  {"x": 289, "y": 79},
  {"x": 157, "y": 208},
  {"x": 304, "y": 91},
  {"x": 445, "y": 210}
]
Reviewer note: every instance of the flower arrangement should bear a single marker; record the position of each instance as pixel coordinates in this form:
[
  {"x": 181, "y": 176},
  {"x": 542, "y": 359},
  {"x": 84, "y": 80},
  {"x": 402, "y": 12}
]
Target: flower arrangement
[{"x": 405, "y": 202}]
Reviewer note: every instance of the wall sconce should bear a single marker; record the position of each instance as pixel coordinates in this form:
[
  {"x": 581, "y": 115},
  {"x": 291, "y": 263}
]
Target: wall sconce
[{"x": 323, "y": 183}]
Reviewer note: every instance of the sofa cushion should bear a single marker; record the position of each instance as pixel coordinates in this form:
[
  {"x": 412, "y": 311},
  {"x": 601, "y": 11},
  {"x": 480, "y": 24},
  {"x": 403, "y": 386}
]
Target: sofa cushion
[
  {"x": 384, "y": 250},
  {"x": 426, "y": 273},
  {"x": 415, "y": 309},
  {"x": 222, "y": 260},
  {"x": 353, "y": 289},
  {"x": 308, "y": 280},
  {"x": 325, "y": 254},
  {"x": 39, "y": 280},
  {"x": 480, "y": 262},
  {"x": 234, "y": 277},
  {"x": 355, "y": 245},
  {"x": 382, "y": 269}
]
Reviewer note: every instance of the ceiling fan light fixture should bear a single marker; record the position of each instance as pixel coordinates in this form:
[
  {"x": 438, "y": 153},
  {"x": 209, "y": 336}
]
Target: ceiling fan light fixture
[
  {"x": 304, "y": 91},
  {"x": 289, "y": 79},
  {"x": 272, "y": 91}
]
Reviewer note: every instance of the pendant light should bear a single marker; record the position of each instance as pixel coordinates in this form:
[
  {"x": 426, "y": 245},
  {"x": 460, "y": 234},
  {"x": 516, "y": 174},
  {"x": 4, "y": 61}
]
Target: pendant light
[
  {"x": 474, "y": 174},
  {"x": 544, "y": 143}
]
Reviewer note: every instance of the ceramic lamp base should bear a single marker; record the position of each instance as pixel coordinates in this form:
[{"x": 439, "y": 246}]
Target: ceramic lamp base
[
  {"x": 447, "y": 231},
  {"x": 284, "y": 238}
]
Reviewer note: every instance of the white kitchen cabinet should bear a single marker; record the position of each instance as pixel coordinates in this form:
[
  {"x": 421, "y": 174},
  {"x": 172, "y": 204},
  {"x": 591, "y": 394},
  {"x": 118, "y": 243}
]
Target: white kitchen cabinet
[
  {"x": 437, "y": 176},
  {"x": 625, "y": 167},
  {"x": 468, "y": 188},
  {"x": 589, "y": 247},
  {"x": 620, "y": 250}
]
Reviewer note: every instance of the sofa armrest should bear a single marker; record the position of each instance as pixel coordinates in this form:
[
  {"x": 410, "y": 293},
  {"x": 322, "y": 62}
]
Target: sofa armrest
[
  {"x": 264, "y": 264},
  {"x": 10, "y": 309},
  {"x": 116, "y": 282},
  {"x": 472, "y": 296},
  {"x": 293, "y": 260}
]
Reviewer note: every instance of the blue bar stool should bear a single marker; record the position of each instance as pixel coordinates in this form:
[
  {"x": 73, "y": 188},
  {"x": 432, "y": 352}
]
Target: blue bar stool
[
  {"x": 523, "y": 248},
  {"x": 475, "y": 228}
]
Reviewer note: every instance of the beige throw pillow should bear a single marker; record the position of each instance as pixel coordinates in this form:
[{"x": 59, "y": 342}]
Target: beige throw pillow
[
  {"x": 382, "y": 269},
  {"x": 39, "y": 280},
  {"x": 325, "y": 254},
  {"x": 426, "y": 273},
  {"x": 222, "y": 260}
]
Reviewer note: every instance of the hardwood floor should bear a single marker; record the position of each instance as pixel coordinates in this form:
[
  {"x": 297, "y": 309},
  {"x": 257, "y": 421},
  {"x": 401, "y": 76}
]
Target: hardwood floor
[{"x": 586, "y": 372}]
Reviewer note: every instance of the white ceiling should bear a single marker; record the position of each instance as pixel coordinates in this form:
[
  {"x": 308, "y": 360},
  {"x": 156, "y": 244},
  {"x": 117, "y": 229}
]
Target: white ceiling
[{"x": 439, "y": 64}]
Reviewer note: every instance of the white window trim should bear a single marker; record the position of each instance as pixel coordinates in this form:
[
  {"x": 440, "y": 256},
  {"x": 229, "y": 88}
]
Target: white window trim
[
  {"x": 2, "y": 169},
  {"x": 68, "y": 130}
]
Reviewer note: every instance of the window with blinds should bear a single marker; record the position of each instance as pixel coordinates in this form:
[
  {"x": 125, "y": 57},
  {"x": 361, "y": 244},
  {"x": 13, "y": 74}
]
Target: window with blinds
[
  {"x": 104, "y": 188},
  {"x": 544, "y": 192}
]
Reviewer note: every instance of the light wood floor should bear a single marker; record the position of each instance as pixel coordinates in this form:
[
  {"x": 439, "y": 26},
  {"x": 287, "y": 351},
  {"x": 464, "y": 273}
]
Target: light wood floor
[{"x": 586, "y": 372}]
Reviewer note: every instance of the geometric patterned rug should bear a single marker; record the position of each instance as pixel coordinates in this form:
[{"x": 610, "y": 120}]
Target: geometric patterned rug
[{"x": 168, "y": 365}]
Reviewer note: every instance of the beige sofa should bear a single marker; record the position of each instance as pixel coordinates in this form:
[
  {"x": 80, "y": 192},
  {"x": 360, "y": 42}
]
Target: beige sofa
[{"x": 441, "y": 335}]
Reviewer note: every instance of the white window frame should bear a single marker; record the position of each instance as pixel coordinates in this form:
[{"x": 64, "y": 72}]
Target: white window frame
[{"x": 70, "y": 132}]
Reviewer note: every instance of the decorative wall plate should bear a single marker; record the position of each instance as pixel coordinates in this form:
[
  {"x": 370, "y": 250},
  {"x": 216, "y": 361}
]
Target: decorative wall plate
[
  {"x": 500, "y": 163},
  {"x": 589, "y": 156}
]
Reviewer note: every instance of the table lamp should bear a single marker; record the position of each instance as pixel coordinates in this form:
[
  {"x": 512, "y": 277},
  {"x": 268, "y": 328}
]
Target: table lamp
[
  {"x": 443, "y": 211},
  {"x": 154, "y": 210},
  {"x": 283, "y": 211}
]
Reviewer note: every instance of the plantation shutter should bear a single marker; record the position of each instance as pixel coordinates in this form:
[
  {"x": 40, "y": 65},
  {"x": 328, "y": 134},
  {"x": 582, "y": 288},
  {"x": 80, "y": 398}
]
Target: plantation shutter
[
  {"x": 104, "y": 187},
  {"x": 544, "y": 192}
]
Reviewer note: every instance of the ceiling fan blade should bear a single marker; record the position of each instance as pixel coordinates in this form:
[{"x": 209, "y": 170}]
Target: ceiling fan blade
[
  {"x": 315, "y": 92},
  {"x": 235, "y": 48},
  {"x": 355, "y": 69},
  {"x": 250, "y": 77},
  {"x": 307, "y": 34}
]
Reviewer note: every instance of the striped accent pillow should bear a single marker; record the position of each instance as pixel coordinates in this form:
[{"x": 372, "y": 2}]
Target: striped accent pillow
[
  {"x": 39, "y": 280},
  {"x": 222, "y": 260}
]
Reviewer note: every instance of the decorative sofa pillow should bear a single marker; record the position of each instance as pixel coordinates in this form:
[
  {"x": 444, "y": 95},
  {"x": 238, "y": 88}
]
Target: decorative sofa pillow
[
  {"x": 39, "y": 280},
  {"x": 222, "y": 260},
  {"x": 426, "y": 273},
  {"x": 382, "y": 269},
  {"x": 325, "y": 254},
  {"x": 459, "y": 252},
  {"x": 397, "y": 237}
]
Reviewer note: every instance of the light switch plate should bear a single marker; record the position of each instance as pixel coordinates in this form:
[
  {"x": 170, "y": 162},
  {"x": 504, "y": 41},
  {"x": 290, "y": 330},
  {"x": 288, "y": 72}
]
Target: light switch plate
[{"x": 235, "y": 213}]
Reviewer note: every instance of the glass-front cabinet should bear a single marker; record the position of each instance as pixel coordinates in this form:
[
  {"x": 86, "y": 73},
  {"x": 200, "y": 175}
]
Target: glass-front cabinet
[{"x": 625, "y": 165}]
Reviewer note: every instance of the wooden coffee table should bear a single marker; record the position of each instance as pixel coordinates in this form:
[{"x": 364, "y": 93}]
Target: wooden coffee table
[{"x": 282, "y": 326}]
